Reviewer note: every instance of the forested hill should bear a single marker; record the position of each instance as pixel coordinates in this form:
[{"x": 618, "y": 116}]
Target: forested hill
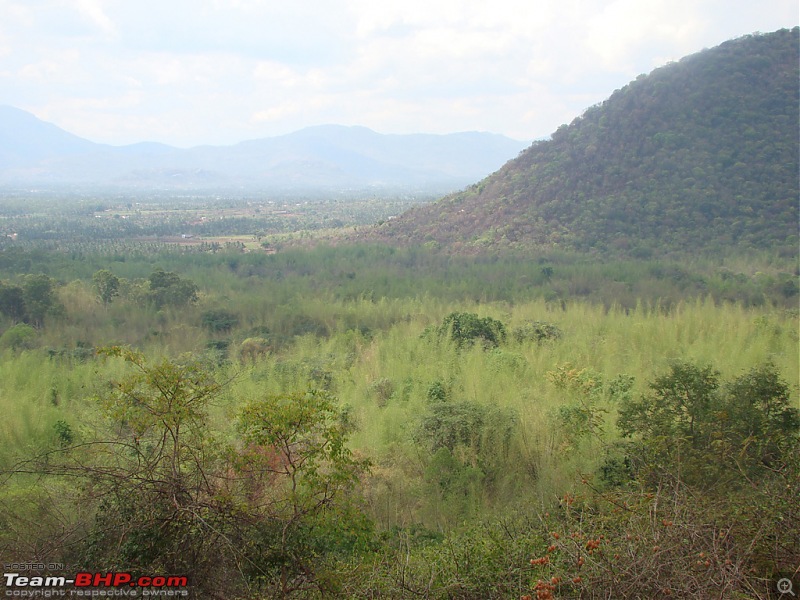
[{"x": 701, "y": 154}]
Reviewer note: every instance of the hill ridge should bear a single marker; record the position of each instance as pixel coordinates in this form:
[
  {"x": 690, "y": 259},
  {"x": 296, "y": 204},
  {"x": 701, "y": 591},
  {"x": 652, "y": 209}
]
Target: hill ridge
[
  {"x": 700, "y": 153},
  {"x": 316, "y": 158}
]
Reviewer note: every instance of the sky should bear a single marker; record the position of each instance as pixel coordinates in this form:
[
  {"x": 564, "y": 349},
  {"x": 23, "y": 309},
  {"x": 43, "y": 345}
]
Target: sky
[{"x": 192, "y": 72}]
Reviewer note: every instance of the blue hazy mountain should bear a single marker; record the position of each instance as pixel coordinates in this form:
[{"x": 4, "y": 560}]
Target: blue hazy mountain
[{"x": 324, "y": 157}]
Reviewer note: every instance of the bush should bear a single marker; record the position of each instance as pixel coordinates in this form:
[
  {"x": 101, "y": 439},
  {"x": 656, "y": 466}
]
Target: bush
[
  {"x": 692, "y": 425},
  {"x": 219, "y": 320},
  {"x": 537, "y": 331},
  {"x": 19, "y": 337},
  {"x": 467, "y": 328}
]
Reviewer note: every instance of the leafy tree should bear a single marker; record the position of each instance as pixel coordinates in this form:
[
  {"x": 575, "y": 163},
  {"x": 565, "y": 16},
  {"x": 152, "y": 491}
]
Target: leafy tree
[
  {"x": 680, "y": 406},
  {"x": 106, "y": 284},
  {"x": 297, "y": 465},
  {"x": 467, "y": 328},
  {"x": 761, "y": 425},
  {"x": 698, "y": 430},
  {"x": 12, "y": 302},
  {"x": 39, "y": 293},
  {"x": 162, "y": 481},
  {"x": 169, "y": 289},
  {"x": 20, "y": 336},
  {"x": 219, "y": 320}
]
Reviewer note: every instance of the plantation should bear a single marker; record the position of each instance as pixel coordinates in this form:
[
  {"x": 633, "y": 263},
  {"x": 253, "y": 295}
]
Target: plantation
[{"x": 370, "y": 422}]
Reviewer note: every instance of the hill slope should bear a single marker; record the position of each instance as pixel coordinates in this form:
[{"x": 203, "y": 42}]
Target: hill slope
[
  {"x": 702, "y": 153},
  {"x": 320, "y": 158},
  {"x": 25, "y": 140}
]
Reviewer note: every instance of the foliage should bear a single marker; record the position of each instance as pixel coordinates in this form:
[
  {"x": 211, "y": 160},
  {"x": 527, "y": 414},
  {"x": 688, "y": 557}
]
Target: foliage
[
  {"x": 167, "y": 495},
  {"x": 39, "y": 296},
  {"x": 709, "y": 433},
  {"x": 106, "y": 284},
  {"x": 169, "y": 289},
  {"x": 669, "y": 542},
  {"x": 18, "y": 337},
  {"x": 219, "y": 320},
  {"x": 297, "y": 464},
  {"x": 537, "y": 331},
  {"x": 703, "y": 148},
  {"x": 12, "y": 302},
  {"x": 467, "y": 328},
  {"x": 477, "y": 451},
  {"x": 161, "y": 482}
]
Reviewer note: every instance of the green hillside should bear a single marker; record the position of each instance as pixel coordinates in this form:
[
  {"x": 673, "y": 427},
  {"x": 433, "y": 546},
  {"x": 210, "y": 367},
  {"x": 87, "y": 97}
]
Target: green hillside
[{"x": 701, "y": 154}]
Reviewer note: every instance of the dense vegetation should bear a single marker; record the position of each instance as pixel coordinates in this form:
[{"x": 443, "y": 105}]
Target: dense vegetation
[
  {"x": 701, "y": 154},
  {"x": 375, "y": 422},
  {"x": 190, "y": 390}
]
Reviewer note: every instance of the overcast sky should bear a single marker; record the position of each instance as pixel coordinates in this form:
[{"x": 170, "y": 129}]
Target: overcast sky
[{"x": 190, "y": 72}]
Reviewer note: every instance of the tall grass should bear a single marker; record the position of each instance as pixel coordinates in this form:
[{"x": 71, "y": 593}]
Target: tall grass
[{"x": 374, "y": 356}]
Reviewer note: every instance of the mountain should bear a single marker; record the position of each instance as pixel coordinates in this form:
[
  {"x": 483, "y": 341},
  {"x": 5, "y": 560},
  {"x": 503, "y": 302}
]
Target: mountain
[
  {"x": 317, "y": 158},
  {"x": 27, "y": 141},
  {"x": 699, "y": 154}
]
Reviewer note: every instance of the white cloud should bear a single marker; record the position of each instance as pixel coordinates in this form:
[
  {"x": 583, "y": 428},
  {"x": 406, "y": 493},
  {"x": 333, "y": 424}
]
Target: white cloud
[
  {"x": 207, "y": 71},
  {"x": 93, "y": 11},
  {"x": 618, "y": 32}
]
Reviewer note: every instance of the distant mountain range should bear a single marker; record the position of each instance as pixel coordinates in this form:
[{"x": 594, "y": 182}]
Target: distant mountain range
[
  {"x": 322, "y": 158},
  {"x": 702, "y": 154}
]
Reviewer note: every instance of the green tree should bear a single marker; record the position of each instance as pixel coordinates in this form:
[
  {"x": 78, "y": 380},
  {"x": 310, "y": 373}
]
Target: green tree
[
  {"x": 12, "y": 302},
  {"x": 106, "y": 284},
  {"x": 158, "y": 474},
  {"x": 219, "y": 320},
  {"x": 169, "y": 289},
  {"x": 693, "y": 427},
  {"x": 467, "y": 328},
  {"x": 20, "y": 336},
  {"x": 298, "y": 466},
  {"x": 39, "y": 293},
  {"x": 760, "y": 424}
]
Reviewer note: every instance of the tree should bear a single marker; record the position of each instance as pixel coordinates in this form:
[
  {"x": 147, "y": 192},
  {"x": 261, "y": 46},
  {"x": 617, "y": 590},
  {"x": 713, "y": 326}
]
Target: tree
[
  {"x": 693, "y": 427},
  {"x": 40, "y": 297},
  {"x": 162, "y": 493},
  {"x": 12, "y": 302},
  {"x": 467, "y": 328},
  {"x": 20, "y": 336},
  {"x": 106, "y": 284},
  {"x": 169, "y": 289},
  {"x": 761, "y": 425},
  {"x": 298, "y": 467},
  {"x": 219, "y": 320},
  {"x": 679, "y": 408},
  {"x": 159, "y": 474}
]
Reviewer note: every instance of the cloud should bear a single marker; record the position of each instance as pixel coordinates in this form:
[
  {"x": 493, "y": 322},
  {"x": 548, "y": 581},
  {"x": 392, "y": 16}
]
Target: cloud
[
  {"x": 93, "y": 11},
  {"x": 212, "y": 71}
]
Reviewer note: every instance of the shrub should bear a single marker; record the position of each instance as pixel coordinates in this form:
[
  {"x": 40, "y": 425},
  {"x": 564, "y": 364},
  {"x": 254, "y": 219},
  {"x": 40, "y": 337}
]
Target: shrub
[
  {"x": 467, "y": 328},
  {"x": 219, "y": 320},
  {"x": 537, "y": 331},
  {"x": 19, "y": 337}
]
